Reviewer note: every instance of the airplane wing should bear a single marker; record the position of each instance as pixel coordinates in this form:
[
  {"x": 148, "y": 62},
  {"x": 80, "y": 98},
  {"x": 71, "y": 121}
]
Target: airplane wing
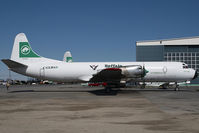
[
  {"x": 107, "y": 75},
  {"x": 13, "y": 64},
  {"x": 114, "y": 75}
]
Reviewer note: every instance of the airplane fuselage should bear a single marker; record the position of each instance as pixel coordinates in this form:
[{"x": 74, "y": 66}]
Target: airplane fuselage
[{"x": 83, "y": 71}]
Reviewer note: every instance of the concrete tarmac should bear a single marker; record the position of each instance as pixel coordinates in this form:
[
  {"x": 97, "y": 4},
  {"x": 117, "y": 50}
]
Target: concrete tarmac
[{"x": 77, "y": 109}]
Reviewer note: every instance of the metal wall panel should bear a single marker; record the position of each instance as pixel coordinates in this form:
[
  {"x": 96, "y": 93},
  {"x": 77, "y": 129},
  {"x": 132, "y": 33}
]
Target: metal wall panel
[
  {"x": 175, "y": 48},
  {"x": 193, "y": 48},
  {"x": 150, "y": 53}
]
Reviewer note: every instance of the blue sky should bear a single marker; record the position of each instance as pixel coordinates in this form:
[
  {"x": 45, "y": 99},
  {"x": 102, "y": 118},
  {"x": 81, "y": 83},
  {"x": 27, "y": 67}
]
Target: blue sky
[{"x": 93, "y": 30}]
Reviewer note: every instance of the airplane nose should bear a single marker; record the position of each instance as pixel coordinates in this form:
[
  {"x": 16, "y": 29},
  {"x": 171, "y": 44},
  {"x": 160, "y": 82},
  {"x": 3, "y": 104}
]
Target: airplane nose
[{"x": 196, "y": 74}]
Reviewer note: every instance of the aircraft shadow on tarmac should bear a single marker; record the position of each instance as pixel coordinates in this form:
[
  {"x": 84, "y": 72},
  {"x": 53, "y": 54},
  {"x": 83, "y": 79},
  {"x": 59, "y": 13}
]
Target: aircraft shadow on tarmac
[{"x": 100, "y": 92}]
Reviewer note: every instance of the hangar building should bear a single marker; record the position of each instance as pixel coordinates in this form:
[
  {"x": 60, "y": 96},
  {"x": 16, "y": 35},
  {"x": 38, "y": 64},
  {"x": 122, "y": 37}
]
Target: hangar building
[{"x": 179, "y": 49}]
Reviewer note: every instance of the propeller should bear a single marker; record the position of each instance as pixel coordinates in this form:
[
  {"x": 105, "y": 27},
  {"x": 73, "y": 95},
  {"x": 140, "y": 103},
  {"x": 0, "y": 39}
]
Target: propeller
[
  {"x": 144, "y": 71},
  {"x": 143, "y": 74}
]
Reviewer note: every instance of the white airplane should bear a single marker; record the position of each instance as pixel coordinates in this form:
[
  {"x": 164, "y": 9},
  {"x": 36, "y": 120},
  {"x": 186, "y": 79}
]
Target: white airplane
[
  {"x": 26, "y": 62},
  {"x": 68, "y": 57}
]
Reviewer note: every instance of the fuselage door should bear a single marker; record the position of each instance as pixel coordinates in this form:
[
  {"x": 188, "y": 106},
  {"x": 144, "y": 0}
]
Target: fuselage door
[{"x": 42, "y": 73}]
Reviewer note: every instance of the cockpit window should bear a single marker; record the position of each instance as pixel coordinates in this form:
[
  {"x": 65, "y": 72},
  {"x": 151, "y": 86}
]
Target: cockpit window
[{"x": 185, "y": 66}]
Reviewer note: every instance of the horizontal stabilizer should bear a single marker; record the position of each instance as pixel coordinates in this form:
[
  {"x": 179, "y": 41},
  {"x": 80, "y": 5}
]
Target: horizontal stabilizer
[{"x": 13, "y": 64}]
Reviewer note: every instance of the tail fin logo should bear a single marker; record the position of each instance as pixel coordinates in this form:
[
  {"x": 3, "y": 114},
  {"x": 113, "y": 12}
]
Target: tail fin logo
[
  {"x": 69, "y": 59},
  {"x": 25, "y": 51}
]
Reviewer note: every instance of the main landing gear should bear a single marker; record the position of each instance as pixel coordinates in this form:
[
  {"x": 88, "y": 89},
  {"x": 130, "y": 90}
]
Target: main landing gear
[
  {"x": 108, "y": 89},
  {"x": 176, "y": 87}
]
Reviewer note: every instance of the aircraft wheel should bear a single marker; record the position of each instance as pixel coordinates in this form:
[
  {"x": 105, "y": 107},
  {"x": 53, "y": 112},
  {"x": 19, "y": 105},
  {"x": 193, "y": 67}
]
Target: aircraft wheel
[
  {"x": 143, "y": 86},
  {"x": 177, "y": 88},
  {"x": 108, "y": 89}
]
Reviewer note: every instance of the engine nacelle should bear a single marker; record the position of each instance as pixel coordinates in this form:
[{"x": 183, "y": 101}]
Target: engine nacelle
[{"x": 135, "y": 71}]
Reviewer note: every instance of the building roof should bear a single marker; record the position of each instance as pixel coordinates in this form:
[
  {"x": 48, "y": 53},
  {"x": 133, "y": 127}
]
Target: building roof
[{"x": 174, "y": 41}]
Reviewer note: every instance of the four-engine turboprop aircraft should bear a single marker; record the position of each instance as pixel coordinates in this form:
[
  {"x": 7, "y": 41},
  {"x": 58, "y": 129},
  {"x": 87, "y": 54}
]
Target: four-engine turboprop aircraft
[{"x": 26, "y": 62}]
